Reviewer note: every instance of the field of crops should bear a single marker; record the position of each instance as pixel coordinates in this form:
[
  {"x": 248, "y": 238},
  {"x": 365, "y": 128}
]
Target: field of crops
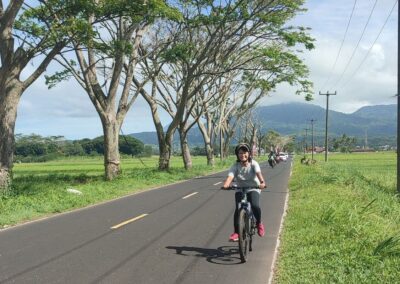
[{"x": 343, "y": 222}]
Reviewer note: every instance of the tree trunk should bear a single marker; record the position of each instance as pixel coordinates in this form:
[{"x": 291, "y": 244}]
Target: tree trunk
[
  {"x": 253, "y": 141},
  {"x": 164, "y": 158},
  {"x": 207, "y": 144},
  {"x": 221, "y": 144},
  {"x": 163, "y": 146},
  {"x": 210, "y": 154},
  {"x": 187, "y": 159},
  {"x": 164, "y": 139},
  {"x": 10, "y": 95},
  {"x": 111, "y": 148},
  {"x": 227, "y": 139}
]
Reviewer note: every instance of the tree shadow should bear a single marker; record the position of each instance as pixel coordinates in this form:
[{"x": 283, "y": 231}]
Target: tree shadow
[{"x": 224, "y": 255}]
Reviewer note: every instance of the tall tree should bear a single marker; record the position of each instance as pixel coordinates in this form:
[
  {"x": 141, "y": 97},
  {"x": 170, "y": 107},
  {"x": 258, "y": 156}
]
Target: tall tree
[
  {"x": 206, "y": 111},
  {"x": 149, "y": 75},
  {"x": 107, "y": 61},
  {"x": 219, "y": 37},
  {"x": 35, "y": 30},
  {"x": 276, "y": 142},
  {"x": 215, "y": 38},
  {"x": 247, "y": 37}
]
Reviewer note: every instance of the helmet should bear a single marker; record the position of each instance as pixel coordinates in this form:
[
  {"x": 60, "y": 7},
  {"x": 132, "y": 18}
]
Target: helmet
[{"x": 245, "y": 147}]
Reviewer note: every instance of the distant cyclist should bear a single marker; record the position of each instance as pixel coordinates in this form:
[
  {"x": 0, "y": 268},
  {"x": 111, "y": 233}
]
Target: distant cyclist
[{"x": 247, "y": 173}]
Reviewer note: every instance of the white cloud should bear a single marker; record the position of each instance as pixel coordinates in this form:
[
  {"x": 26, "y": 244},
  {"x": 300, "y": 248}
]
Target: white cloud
[{"x": 375, "y": 82}]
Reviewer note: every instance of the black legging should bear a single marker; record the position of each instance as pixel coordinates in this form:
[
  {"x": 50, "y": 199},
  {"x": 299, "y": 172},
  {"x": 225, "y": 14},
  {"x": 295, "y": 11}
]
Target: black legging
[{"x": 254, "y": 198}]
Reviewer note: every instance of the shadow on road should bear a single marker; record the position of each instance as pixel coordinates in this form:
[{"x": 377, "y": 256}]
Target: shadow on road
[{"x": 225, "y": 255}]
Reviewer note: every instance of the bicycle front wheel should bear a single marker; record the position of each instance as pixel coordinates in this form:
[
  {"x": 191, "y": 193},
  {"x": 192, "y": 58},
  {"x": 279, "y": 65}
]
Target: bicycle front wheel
[{"x": 243, "y": 236}]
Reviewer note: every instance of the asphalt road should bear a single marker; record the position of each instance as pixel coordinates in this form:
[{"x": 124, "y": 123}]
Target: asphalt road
[{"x": 175, "y": 234}]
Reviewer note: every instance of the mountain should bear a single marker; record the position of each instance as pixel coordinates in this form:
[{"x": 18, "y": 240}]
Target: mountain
[
  {"x": 386, "y": 112},
  {"x": 291, "y": 119},
  {"x": 146, "y": 137},
  {"x": 194, "y": 137}
]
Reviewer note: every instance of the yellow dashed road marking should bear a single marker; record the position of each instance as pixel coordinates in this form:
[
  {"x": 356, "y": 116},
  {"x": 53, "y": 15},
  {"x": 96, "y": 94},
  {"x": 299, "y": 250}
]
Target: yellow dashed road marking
[{"x": 128, "y": 221}]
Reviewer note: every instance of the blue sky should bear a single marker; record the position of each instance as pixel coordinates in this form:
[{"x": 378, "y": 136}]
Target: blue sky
[{"x": 66, "y": 110}]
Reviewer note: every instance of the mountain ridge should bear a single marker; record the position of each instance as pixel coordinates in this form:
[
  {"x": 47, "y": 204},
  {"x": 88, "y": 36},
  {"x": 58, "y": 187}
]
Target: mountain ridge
[{"x": 293, "y": 118}]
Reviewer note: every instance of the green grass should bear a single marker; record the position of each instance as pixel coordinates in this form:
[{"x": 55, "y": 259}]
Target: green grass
[
  {"x": 343, "y": 222},
  {"x": 40, "y": 189},
  {"x": 342, "y": 226}
]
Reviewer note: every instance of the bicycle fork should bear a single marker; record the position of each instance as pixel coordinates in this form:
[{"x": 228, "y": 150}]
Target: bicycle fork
[{"x": 250, "y": 223}]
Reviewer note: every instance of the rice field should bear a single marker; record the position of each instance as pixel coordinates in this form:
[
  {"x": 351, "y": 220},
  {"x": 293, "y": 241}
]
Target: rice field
[{"x": 343, "y": 221}]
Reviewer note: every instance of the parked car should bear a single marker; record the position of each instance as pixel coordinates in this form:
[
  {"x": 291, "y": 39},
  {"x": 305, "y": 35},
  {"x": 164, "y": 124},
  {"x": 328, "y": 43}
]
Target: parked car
[{"x": 283, "y": 156}]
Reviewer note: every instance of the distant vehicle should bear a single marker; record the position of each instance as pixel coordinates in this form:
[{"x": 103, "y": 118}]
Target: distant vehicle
[{"x": 283, "y": 156}]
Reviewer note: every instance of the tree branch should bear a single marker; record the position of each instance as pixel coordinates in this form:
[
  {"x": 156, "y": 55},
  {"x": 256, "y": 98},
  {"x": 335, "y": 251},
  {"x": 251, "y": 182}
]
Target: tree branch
[
  {"x": 8, "y": 16},
  {"x": 42, "y": 67}
]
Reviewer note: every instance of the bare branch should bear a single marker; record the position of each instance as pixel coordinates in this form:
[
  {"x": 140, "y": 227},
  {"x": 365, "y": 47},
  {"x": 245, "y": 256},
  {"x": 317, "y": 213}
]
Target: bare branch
[{"x": 42, "y": 67}]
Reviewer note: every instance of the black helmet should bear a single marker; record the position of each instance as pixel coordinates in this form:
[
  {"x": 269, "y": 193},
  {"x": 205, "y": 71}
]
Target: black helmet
[{"x": 245, "y": 147}]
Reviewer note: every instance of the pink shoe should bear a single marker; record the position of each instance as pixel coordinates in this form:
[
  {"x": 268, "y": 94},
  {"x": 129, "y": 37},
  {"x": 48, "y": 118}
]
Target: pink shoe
[
  {"x": 234, "y": 237},
  {"x": 260, "y": 229}
]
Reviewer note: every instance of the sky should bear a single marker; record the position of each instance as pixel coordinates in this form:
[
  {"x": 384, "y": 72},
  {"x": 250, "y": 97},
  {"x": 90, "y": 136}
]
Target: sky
[{"x": 369, "y": 78}]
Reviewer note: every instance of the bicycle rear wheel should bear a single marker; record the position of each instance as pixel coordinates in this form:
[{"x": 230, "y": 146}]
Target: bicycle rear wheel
[{"x": 243, "y": 236}]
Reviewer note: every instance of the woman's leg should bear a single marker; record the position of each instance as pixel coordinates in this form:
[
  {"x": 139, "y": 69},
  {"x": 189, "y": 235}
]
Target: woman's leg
[
  {"x": 238, "y": 198},
  {"x": 254, "y": 198}
]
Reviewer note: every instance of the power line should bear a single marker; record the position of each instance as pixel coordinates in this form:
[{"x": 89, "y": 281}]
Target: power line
[
  {"x": 370, "y": 48},
  {"x": 358, "y": 43},
  {"x": 341, "y": 46}
]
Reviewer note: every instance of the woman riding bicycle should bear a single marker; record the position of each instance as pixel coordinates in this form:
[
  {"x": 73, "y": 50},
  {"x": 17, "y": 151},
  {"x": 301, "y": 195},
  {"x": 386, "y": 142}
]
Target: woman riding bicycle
[{"x": 247, "y": 173}]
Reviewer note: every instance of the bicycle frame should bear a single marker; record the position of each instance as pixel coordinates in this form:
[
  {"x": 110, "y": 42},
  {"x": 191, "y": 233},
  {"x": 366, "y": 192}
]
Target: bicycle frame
[{"x": 247, "y": 225}]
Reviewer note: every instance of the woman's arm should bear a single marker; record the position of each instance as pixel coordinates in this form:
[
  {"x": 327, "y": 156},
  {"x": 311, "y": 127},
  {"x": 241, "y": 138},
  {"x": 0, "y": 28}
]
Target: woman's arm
[
  {"x": 262, "y": 180},
  {"x": 228, "y": 182}
]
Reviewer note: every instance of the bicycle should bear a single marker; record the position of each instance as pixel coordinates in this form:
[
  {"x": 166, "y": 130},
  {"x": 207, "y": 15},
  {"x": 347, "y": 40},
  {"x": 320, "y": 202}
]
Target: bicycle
[{"x": 246, "y": 223}]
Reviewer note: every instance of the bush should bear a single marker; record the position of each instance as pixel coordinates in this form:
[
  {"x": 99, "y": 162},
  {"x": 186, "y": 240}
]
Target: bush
[
  {"x": 198, "y": 151},
  {"x": 148, "y": 151}
]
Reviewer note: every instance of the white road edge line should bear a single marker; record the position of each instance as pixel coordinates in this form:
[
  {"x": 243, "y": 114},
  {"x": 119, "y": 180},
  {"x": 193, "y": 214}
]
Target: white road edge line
[
  {"x": 128, "y": 221},
  {"x": 187, "y": 196},
  {"x": 278, "y": 241},
  {"x": 291, "y": 167},
  {"x": 217, "y": 183}
]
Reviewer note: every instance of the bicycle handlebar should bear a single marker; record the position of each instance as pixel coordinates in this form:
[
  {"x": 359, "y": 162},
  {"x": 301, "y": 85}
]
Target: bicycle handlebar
[{"x": 241, "y": 188}]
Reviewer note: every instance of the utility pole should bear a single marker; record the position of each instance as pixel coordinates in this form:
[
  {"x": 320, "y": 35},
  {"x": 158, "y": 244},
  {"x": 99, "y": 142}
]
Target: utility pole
[
  {"x": 398, "y": 100},
  {"x": 312, "y": 139},
  {"x": 305, "y": 141},
  {"x": 326, "y": 121}
]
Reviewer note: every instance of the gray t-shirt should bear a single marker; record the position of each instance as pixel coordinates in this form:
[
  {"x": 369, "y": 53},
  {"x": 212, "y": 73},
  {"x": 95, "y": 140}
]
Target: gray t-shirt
[{"x": 246, "y": 176}]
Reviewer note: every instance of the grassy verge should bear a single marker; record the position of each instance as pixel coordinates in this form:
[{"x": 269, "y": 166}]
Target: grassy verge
[
  {"x": 40, "y": 189},
  {"x": 343, "y": 222}
]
